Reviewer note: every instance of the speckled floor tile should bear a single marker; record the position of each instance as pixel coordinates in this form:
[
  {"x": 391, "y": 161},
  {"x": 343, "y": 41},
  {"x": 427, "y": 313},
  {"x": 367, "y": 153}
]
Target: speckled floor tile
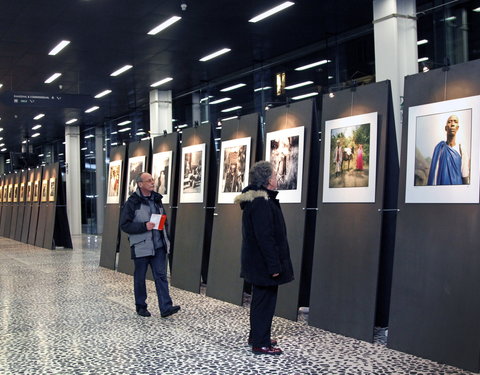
[{"x": 61, "y": 313}]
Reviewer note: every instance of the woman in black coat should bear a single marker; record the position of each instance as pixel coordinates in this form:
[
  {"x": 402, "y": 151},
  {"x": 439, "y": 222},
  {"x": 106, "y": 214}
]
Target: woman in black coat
[{"x": 265, "y": 253}]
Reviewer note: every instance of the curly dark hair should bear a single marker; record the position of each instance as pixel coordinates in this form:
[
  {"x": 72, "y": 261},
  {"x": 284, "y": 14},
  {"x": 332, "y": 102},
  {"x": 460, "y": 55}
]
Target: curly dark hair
[{"x": 260, "y": 173}]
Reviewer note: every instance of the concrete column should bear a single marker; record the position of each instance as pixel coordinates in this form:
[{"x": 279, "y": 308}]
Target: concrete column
[
  {"x": 100, "y": 178},
  {"x": 72, "y": 176},
  {"x": 395, "y": 33},
  {"x": 160, "y": 112}
]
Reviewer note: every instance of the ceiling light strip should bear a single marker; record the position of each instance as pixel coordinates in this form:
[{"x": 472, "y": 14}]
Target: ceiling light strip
[
  {"x": 161, "y": 82},
  {"x": 164, "y": 25},
  {"x": 272, "y": 11},
  {"x": 215, "y": 54},
  {"x": 59, "y": 47},
  {"x": 53, "y": 77},
  {"x": 121, "y": 70},
  {"x": 297, "y": 85}
]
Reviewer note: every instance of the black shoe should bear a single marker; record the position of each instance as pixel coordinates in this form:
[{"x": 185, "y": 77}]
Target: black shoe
[
  {"x": 273, "y": 342},
  {"x": 270, "y": 350},
  {"x": 171, "y": 311},
  {"x": 143, "y": 312}
]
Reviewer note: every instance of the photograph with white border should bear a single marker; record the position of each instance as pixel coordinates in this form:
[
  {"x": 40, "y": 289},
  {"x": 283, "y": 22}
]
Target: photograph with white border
[
  {"x": 113, "y": 188},
  {"x": 162, "y": 174},
  {"x": 136, "y": 166},
  {"x": 192, "y": 174}
]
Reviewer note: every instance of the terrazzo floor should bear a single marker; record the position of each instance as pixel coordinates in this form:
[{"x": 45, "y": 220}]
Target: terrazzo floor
[{"x": 61, "y": 313}]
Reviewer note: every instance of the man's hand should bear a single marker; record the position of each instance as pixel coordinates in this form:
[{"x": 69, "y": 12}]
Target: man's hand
[{"x": 149, "y": 225}]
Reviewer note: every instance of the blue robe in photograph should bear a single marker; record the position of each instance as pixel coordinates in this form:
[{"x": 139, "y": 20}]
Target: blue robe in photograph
[{"x": 449, "y": 166}]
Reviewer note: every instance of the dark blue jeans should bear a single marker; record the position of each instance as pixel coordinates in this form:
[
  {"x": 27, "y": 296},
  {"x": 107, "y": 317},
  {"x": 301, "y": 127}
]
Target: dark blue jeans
[{"x": 158, "y": 264}]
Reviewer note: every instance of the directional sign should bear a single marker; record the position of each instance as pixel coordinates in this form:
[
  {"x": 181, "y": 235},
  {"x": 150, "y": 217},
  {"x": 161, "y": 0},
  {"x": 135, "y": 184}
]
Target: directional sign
[{"x": 38, "y": 99}]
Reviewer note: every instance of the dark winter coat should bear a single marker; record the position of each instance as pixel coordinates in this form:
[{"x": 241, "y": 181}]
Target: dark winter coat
[
  {"x": 134, "y": 216},
  {"x": 265, "y": 248}
]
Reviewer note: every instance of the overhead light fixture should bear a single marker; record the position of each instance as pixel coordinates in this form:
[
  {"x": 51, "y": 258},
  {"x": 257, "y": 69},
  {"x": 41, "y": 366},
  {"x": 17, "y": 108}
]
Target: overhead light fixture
[
  {"x": 89, "y": 136},
  {"x": 222, "y": 100},
  {"x": 1, "y": 85},
  {"x": 230, "y": 88},
  {"x": 1, "y": 129},
  {"x": 103, "y": 93},
  {"x": 39, "y": 116},
  {"x": 182, "y": 126},
  {"x": 164, "y": 25},
  {"x": 215, "y": 54},
  {"x": 451, "y": 18},
  {"x": 330, "y": 93},
  {"x": 121, "y": 70},
  {"x": 477, "y": 10},
  {"x": 113, "y": 144},
  {"x": 141, "y": 133},
  {"x": 422, "y": 59},
  {"x": 124, "y": 122},
  {"x": 3, "y": 149},
  {"x": 35, "y": 135},
  {"x": 272, "y": 11},
  {"x": 262, "y": 88},
  {"x": 71, "y": 121},
  {"x": 423, "y": 41},
  {"x": 23, "y": 142},
  {"x": 228, "y": 118},
  {"x": 161, "y": 82},
  {"x": 59, "y": 47},
  {"x": 305, "y": 96},
  {"x": 425, "y": 67},
  {"x": 38, "y": 126},
  {"x": 124, "y": 130},
  {"x": 312, "y": 65},
  {"x": 297, "y": 85},
  {"x": 205, "y": 98},
  {"x": 53, "y": 77},
  {"x": 232, "y": 108},
  {"x": 83, "y": 149},
  {"x": 91, "y": 109},
  {"x": 113, "y": 132},
  {"x": 330, "y": 77}
]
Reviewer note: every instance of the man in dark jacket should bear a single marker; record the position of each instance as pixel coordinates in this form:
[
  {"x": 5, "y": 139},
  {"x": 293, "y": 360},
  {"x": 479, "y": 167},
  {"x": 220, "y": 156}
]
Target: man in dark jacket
[
  {"x": 265, "y": 253},
  {"x": 149, "y": 245}
]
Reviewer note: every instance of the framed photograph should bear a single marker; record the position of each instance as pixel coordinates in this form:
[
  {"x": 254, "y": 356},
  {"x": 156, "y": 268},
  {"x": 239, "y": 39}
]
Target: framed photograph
[
  {"x": 192, "y": 174},
  {"x": 234, "y": 168},
  {"x": 114, "y": 175},
  {"x": 443, "y": 152},
  {"x": 15, "y": 193},
  {"x": 52, "y": 191},
  {"x": 350, "y": 159},
  {"x": 1, "y": 194},
  {"x": 10, "y": 193},
  {"x": 36, "y": 191},
  {"x": 136, "y": 166},
  {"x": 28, "y": 198},
  {"x": 21, "y": 198},
  {"x": 44, "y": 190},
  {"x": 162, "y": 174},
  {"x": 5, "y": 193},
  {"x": 284, "y": 149}
]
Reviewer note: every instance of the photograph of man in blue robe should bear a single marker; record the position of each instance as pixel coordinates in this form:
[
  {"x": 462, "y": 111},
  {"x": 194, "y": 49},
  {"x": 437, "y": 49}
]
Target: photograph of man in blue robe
[{"x": 450, "y": 163}]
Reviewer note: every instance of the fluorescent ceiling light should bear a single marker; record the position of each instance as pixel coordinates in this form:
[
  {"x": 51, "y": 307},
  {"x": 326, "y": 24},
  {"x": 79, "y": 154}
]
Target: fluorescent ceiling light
[
  {"x": 423, "y": 41},
  {"x": 422, "y": 59},
  {"x": 1, "y": 129},
  {"x": 145, "y": 138},
  {"x": 451, "y": 18},
  {"x": 182, "y": 126},
  {"x": 83, "y": 149},
  {"x": 38, "y": 126},
  {"x": 262, "y": 88},
  {"x": 164, "y": 25},
  {"x": 228, "y": 118},
  {"x": 305, "y": 96},
  {"x": 330, "y": 77},
  {"x": 230, "y": 88},
  {"x": 1, "y": 85},
  {"x": 141, "y": 133},
  {"x": 41, "y": 155},
  {"x": 215, "y": 54},
  {"x": 103, "y": 93},
  {"x": 3, "y": 144},
  {"x": 89, "y": 136},
  {"x": 297, "y": 85},
  {"x": 71, "y": 121},
  {"x": 53, "y": 77},
  {"x": 232, "y": 108},
  {"x": 39, "y": 116},
  {"x": 124, "y": 130},
  {"x": 312, "y": 65},
  {"x": 35, "y": 135},
  {"x": 113, "y": 144},
  {"x": 91, "y": 109},
  {"x": 113, "y": 132},
  {"x": 477, "y": 10},
  {"x": 272, "y": 11},
  {"x": 121, "y": 70},
  {"x": 205, "y": 98},
  {"x": 59, "y": 47},
  {"x": 161, "y": 82},
  {"x": 220, "y": 100},
  {"x": 3, "y": 149},
  {"x": 205, "y": 122},
  {"x": 124, "y": 122}
]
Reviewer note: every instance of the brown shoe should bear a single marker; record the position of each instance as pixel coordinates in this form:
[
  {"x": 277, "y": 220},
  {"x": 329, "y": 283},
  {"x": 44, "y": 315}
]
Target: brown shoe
[
  {"x": 270, "y": 350},
  {"x": 273, "y": 342}
]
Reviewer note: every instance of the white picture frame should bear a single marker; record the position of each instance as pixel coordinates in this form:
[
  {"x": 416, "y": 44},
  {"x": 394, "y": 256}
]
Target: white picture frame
[
  {"x": 354, "y": 183},
  {"x": 192, "y": 174},
  {"x": 114, "y": 181},
  {"x": 136, "y": 166},
  {"x": 162, "y": 174}
]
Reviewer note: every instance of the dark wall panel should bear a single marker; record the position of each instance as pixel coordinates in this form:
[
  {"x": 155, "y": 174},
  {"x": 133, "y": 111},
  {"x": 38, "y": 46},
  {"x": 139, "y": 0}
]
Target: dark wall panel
[
  {"x": 35, "y": 207},
  {"x": 53, "y": 171},
  {"x": 7, "y": 208},
  {"x": 435, "y": 305},
  {"x": 348, "y": 235},
  {"x": 28, "y": 207},
  {"x": 224, "y": 282},
  {"x": 15, "y": 204},
  {"x": 21, "y": 205}
]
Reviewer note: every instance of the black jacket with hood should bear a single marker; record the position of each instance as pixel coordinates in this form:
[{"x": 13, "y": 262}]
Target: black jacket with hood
[{"x": 265, "y": 248}]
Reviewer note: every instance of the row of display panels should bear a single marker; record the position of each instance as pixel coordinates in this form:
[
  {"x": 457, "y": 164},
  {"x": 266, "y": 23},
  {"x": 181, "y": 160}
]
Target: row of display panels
[
  {"x": 15, "y": 193},
  {"x": 442, "y": 160}
]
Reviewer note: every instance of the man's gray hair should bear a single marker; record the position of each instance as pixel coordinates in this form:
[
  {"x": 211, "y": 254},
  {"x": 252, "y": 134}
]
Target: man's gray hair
[
  {"x": 139, "y": 177},
  {"x": 260, "y": 173}
]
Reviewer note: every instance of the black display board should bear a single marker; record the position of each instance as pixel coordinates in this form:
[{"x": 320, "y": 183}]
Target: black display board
[
  {"x": 2, "y": 178},
  {"x": 349, "y": 234},
  {"x": 28, "y": 205},
  {"x": 7, "y": 205},
  {"x": 291, "y": 116},
  {"x": 224, "y": 282},
  {"x": 16, "y": 188},
  {"x": 435, "y": 306},
  {"x": 194, "y": 220},
  {"x": 37, "y": 187},
  {"x": 142, "y": 148},
  {"x": 21, "y": 205},
  {"x": 111, "y": 230}
]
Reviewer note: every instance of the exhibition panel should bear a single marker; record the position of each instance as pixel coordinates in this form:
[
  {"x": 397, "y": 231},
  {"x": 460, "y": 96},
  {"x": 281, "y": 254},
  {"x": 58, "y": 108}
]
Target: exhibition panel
[
  {"x": 195, "y": 208},
  {"x": 435, "y": 305},
  {"x": 44, "y": 211},
  {"x": 13, "y": 221},
  {"x": 7, "y": 205},
  {"x": 28, "y": 205},
  {"x": 356, "y": 147},
  {"x": 291, "y": 137},
  {"x": 21, "y": 206},
  {"x": 37, "y": 182},
  {"x": 138, "y": 161},
  {"x": 237, "y": 153},
  {"x": 111, "y": 230}
]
